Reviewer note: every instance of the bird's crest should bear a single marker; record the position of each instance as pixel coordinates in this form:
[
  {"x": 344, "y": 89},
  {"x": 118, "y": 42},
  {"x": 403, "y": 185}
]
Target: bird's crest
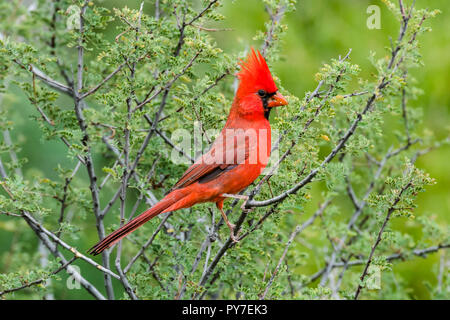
[{"x": 255, "y": 74}]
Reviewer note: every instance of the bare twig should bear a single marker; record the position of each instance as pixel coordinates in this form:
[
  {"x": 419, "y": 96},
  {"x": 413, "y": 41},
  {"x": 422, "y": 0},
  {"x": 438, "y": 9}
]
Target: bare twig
[
  {"x": 47, "y": 80},
  {"x": 275, "y": 18},
  {"x": 106, "y": 79}
]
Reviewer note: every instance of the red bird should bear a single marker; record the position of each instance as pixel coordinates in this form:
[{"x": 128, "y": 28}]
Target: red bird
[{"x": 236, "y": 158}]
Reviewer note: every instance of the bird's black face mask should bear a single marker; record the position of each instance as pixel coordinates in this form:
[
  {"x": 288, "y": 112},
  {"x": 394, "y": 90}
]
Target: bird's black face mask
[{"x": 265, "y": 96}]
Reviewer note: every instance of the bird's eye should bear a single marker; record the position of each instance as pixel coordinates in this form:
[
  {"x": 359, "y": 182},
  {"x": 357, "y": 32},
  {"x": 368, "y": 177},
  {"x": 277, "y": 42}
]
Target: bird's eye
[{"x": 261, "y": 93}]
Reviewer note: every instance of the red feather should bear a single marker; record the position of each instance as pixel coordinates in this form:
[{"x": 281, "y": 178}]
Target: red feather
[{"x": 255, "y": 75}]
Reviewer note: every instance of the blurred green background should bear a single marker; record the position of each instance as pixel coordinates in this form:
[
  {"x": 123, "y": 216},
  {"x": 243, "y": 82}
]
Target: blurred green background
[{"x": 317, "y": 31}]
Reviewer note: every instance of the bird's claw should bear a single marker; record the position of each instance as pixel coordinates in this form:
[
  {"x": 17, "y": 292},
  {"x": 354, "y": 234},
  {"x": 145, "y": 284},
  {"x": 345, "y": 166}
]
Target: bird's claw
[{"x": 234, "y": 238}]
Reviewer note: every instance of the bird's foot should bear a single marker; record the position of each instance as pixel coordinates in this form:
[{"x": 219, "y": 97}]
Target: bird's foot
[
  {"x": 232, "y": 227},
  {"x": 246, "y": 210},
  {"x": 240, "y": 197}
]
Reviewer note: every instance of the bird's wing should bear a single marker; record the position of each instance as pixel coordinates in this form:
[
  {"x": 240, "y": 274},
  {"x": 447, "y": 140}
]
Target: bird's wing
[{"x": 213, "y": 164}]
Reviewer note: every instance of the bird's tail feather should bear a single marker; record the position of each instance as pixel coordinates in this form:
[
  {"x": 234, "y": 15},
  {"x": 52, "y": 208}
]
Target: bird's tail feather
[{"x": 132, "y": 225}]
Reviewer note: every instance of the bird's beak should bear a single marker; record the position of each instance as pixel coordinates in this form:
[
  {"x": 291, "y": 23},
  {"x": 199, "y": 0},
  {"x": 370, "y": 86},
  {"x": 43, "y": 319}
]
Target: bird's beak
[{"x": 277, "y": 100}]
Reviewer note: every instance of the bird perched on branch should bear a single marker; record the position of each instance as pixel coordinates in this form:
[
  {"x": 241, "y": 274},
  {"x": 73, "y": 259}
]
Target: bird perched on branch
[{"x": 235, "y": 159}]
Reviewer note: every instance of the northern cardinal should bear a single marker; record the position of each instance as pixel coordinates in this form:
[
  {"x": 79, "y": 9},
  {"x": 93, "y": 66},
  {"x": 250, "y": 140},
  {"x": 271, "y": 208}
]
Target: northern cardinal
[{"x": 236, "y": 158}]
